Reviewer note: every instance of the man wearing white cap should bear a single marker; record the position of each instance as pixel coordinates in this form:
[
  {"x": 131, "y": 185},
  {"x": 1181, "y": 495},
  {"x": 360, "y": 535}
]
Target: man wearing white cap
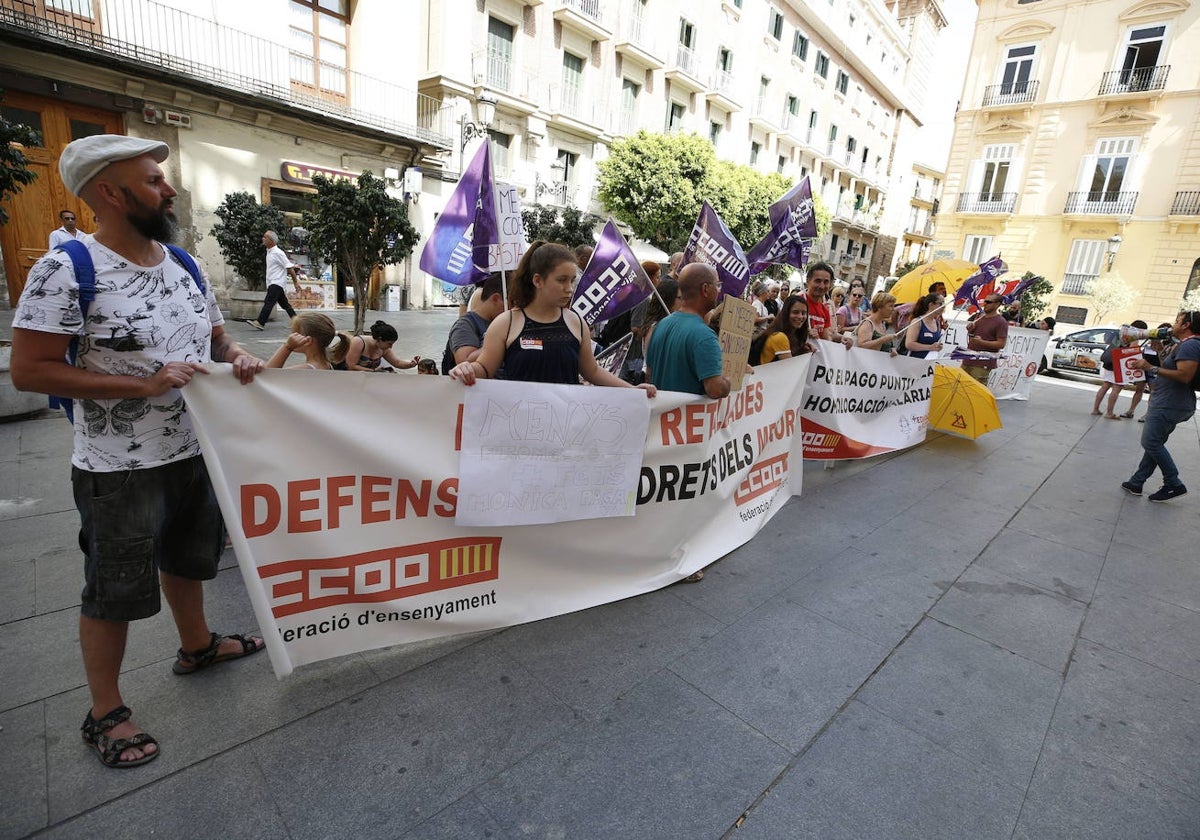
[
  {"x": 145, "y": 502},
  {"x": 279, "y": 267}
]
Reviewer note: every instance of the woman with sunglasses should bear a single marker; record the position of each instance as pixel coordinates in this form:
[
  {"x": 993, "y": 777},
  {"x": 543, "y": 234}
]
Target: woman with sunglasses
[{"x": 849, "y": 315}]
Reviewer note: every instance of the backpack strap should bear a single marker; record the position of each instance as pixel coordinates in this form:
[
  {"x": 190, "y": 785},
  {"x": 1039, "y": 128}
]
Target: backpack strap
[
  {"x": 85, "y": 278},
  {"x": 190, "y": 264}
]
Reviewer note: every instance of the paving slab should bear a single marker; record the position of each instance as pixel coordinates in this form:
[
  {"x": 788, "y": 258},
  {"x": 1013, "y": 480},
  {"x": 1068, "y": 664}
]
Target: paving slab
[
  {"x": 1079, "y": 792},
  {"x": 465, "y": 819},
  {"x": 979, "y": 701},
  {"x": 843, "y": 788},
  {"x": 1044, "y": 563},
  {"x": 1035, "y": 623},
  {"x": 1165, "y": 572},
  {"x": 1139, "y": 715},
  {"x": 679, "y": 764},
  {"x": 389, "y": 759},
  {"x": 23, "y": 808},
  {"x": 1070, "y": 528},
  {"x": 783, "y": 669},
  {"x": 1157, "y": 632}
]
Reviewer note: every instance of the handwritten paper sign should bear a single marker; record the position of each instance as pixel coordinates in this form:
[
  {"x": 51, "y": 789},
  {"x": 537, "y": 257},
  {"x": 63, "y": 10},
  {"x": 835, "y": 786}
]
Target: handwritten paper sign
[
  {"x": 534, "y": 453},
  {"x": 737, "y": 331},
  {"x": 505, "y": 255}
]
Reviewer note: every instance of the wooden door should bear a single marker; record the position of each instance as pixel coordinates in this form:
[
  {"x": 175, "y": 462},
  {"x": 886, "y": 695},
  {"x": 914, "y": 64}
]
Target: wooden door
[{"x": 33, "y": 213}]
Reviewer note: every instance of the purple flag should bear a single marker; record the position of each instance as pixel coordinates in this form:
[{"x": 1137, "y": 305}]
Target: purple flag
[
  {"x": 988, "y": 271},
  {"x": 613, "y": 282},
  {"x": 793, "y": 220},
  {"x": 1019, "y": 289},
  {"x": 457, "y": 249},
  {"x": 712, "y": 243}
]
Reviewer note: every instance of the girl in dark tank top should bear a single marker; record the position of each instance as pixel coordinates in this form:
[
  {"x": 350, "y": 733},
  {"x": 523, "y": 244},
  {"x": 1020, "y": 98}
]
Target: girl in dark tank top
[{"x": 539, "y": 339}]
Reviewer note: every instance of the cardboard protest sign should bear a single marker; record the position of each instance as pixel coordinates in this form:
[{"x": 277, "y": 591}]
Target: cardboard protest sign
[{"x": 736, "y": 333}]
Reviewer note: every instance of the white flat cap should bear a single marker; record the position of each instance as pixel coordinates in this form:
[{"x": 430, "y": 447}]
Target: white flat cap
[{"x": 83, "y": 159}]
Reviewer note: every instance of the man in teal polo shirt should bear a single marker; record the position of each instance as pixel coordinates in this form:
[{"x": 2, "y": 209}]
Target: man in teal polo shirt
[{"x": 684, "y": 354}]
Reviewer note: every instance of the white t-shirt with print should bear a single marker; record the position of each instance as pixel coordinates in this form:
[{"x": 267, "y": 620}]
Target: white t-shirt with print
[
  {"x": 140, "y": 319},
  {"x": 277, "y": 266}
]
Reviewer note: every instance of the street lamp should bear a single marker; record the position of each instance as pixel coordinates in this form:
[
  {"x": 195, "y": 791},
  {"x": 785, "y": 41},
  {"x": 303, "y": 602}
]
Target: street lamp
[
  {"x": 486, "y": 107},
  {"x": 1110, "y": 250}
]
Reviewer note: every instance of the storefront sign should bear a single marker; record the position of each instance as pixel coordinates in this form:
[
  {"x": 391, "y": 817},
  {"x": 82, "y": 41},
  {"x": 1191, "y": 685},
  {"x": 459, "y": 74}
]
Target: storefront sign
[{"x": 302, "y": 173}]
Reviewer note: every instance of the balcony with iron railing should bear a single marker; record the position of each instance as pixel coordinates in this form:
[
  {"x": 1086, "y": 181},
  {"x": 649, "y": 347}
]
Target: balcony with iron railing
[
  {"x": 634, "y": 42},
  {"x": 985, "y": 202},
  {"x": 721, "y": 88},
  {"x": 1100, "y": 203},
  {"x": 568, "y": 105},
  {"x": 765, "y": 116},
  {"x": 145, "y": 38},
  {"x": 1010, "y": 93},
  {"x": 1186, "y": 203},
  {"x": 586, "y": 16},
  {"x": 684, "y": 69},
  {"x": 919, "y": 231},
  {"x": 496, "y": 70},
  {"x": 1134, "y": 80},
  {"x": 556, "y": 193},
  {"x": 1075, "y": 284}
]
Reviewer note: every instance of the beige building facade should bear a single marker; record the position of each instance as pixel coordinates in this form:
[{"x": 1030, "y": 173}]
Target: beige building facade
[{"x": 1076, "y": 151}]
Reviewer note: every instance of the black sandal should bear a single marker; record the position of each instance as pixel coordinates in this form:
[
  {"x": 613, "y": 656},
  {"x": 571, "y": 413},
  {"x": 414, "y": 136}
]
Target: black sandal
[
  {"x": 190, "y": 662},
  {"x": 109, "y": 749}
]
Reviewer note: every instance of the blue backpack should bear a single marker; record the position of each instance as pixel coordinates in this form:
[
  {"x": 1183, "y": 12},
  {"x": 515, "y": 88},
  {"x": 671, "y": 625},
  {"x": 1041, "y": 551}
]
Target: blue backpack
[{"x": 85, "y": 276}]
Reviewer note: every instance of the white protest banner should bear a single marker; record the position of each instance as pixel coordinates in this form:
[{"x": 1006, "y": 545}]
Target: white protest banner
[
  {"x": 860, "y": 403},
  {"x": 343, "y": 522},
  {"x": 506, "y": 255},
  {"x": 735, "y": 335},
  {"x": 1017, "y": 364},
  {"x": 560, "y": 453},
  {"x": 1124, "y": 373}
]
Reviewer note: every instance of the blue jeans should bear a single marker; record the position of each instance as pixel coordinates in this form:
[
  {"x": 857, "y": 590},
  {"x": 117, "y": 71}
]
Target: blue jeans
[{"x": 1160, "y": 422}]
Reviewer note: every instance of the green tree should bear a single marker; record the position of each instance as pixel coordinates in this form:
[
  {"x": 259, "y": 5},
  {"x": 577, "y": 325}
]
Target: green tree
[
  {"x": 15, "y": 173},
  {"x": 243, "y": 221},
  {"x": 656, "y": 183},
  {"x": 1109, "y": 293},
  {"x": 571, "y": 227},
  {"x": 1035, "y": 300},
  {"x": 358, "y": 226},
  {"x": 904, "y": 268}
]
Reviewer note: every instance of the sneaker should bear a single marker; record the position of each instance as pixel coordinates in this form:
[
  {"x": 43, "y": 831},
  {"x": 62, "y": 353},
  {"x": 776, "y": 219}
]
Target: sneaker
[
  {"x": 1168, "y": 493},
  {"x": 1131, "y": 488},
  {"x": 256, "y": 325}
]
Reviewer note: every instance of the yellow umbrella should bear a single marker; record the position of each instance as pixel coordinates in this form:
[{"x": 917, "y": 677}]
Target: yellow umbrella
[
  {"x": 960, "y": 405},
  {"x": 910, "y": 287}
]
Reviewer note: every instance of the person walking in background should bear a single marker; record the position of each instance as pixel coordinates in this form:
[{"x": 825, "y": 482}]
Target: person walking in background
[
  {"x": 850, "y": 315},
  {"x": 314, "y": 335},
  {"x": 1152, "y": 352},
  {"x": 1174, "y": 403},
  {"x": 279, "y": 268},
  {"x": 67, "y": 232}
]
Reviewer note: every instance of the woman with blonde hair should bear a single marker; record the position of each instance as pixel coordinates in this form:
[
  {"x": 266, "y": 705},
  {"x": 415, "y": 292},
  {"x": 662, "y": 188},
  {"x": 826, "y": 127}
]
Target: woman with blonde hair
[
  {"x": 314, "y": 335},
  {"x": 876, "y": 331}
]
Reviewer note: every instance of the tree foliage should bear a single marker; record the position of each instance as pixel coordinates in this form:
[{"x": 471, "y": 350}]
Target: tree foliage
[
  {"x": 358, "y": 226},
  {"x": 1191, "y": 301},
  {"x": 656, "y": 183},
  {"x": 243, "y": 221},
  {"x": 14, "y": 169},
  {"x": 571, "y": 227},
  {"x": 1109, "y": 293},
  {"x": 1035, "y": 300}
]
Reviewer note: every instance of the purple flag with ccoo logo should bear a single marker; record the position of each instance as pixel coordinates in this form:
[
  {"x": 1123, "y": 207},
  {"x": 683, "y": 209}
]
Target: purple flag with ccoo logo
[
  {"x": 712, "y": 243},
  {"x": 457, "y": 249},
  {"x": 613, "y": 282}
]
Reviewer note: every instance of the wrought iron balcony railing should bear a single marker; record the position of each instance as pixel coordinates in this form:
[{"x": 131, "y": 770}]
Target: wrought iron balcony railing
[
  {"x": 1010, "y": 93},
  {"x": 977, "y": 202},
  {"x": 1187, "y": 203},
  {"x": 149, "y": 38},
  {"x": 1076, "y": 284},
  {"x": 1101, "y": 203},
  {"x": 1134, "y": 80}
]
